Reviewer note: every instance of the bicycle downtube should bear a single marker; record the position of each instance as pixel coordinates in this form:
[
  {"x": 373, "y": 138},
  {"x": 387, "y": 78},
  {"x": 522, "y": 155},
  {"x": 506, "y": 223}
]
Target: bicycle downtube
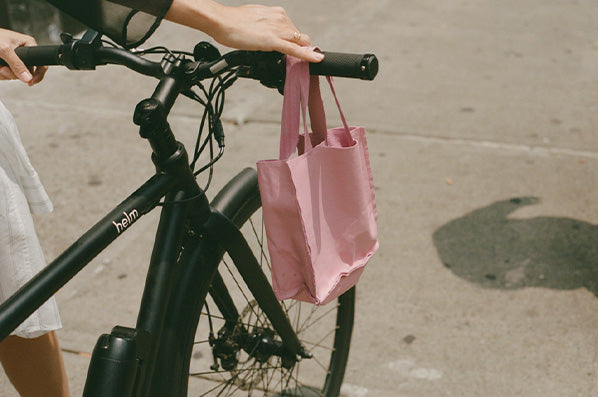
[{"x": 46, "y": 283}]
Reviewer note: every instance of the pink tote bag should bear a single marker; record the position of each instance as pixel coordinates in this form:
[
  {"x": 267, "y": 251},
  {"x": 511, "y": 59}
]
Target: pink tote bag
[{"x": 318, "y": 206}]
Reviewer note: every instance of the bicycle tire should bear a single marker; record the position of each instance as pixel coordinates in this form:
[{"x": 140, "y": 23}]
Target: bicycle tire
[{"x": 253, "y": 374}]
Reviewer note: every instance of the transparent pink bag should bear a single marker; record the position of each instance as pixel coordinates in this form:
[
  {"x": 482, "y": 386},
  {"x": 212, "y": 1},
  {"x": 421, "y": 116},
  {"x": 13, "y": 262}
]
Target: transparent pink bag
[{"x": 318, "y": 207}]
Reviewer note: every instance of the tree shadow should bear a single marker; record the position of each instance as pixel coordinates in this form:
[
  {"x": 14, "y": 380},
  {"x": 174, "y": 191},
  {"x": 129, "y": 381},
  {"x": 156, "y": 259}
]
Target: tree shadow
[{"x": 488, "y": 248}]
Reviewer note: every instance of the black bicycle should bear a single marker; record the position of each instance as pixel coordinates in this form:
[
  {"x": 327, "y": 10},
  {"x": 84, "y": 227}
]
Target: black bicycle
[{"x": 208, "y": 323}]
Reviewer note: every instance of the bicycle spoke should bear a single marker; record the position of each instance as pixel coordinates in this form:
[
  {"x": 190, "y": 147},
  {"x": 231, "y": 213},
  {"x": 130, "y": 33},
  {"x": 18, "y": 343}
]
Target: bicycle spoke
[
  {"x": 297, "y": 385},
  {"x": 326, "y": 336},
  {"x": 319, "y": 346},
  {"x": 230, "y": 384},
  {"x": 297, "y": 317},
  {"x": 325, "y": 368},
  {"x": 287, "y": 308},
  {"x": 260, "y": 241},
  {"x": 251, "y": 349},
  {"x": 320, "y": 317},
  {"x": 250, "y": 303},
  {"x": 200, "y": 374},
  {"x": 213, "y": 316},
  {"x": 211, "y": 390}
]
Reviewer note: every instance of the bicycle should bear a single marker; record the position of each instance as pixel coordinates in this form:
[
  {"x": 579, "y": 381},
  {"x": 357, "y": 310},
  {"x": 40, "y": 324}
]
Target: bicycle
[{"x": 208, "y": 317}]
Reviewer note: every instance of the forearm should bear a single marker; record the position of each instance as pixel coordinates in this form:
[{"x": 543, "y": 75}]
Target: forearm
[
  {"x": 154, "y": 7},
  {"x": 197, "y": 14}
]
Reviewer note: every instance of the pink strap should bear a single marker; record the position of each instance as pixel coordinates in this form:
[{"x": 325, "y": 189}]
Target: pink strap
[
  {"x": 316, "y": 107},
  {"x": 299, "y": 91},
  {"x": 289, "y": 134},
  {"x": 317, "y": 116}
]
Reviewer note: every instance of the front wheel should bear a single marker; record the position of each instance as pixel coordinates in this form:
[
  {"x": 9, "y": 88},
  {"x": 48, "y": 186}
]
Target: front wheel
[{"x": 241, "y": 357}]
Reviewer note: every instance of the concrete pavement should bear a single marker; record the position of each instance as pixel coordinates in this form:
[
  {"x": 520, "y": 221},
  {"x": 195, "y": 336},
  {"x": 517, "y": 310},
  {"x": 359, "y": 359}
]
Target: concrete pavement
[{"x": 482, "y": 132}]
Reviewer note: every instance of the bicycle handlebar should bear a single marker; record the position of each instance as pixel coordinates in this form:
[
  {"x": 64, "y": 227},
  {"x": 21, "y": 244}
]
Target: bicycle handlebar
[
  {"x": 361, "y": 66},
  {"x": 53, "y": 55},
  {"x": 340, "y": 64},
  {"x": 38, "y": 56}
]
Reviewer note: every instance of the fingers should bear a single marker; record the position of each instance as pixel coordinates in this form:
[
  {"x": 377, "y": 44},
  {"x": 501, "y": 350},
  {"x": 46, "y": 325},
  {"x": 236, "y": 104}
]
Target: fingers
[
  {"x": 305, "y": 53},
  {"x": 38, "y": 72},
  {"x": 264, "y": 28},
  {"x": 10, "y": 40},
  {"x": 299, "y": 38},
  {"x": 38, "y": 75},
  {"x": 6, "y": 73},
  {"x": 296, "y": 44},
  {"x": 17, "y": 66}
]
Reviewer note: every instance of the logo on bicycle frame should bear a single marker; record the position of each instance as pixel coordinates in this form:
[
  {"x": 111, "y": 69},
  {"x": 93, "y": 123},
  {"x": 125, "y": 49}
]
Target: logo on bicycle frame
[{"x": 126, "y": 221}]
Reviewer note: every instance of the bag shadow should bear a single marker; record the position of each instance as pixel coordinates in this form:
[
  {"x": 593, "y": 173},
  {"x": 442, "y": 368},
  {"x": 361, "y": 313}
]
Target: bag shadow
[{"x": 488, "y": 248}]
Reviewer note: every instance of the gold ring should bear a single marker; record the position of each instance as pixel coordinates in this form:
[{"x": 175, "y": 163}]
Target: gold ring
[{"x": 296, "y": 36}]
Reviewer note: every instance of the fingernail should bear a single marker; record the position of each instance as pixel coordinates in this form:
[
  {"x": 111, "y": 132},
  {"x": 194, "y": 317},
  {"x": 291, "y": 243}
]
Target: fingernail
[
  {"x": 25, "y": 77},
  {"x": 319, "y": 56}
]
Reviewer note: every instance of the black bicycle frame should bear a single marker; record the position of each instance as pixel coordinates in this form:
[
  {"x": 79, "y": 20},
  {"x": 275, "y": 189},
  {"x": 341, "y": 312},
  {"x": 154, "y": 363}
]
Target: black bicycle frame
[
  {"x": 190, "y": 241},
  {"x": 46, "y": 283}
]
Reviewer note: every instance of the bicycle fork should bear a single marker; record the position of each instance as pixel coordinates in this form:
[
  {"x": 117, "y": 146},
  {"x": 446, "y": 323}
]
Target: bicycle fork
[{"x": 255, "y": 279}]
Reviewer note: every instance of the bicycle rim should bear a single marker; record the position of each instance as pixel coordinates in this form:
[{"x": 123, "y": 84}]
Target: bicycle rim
[{"x": 220, "y": 367}]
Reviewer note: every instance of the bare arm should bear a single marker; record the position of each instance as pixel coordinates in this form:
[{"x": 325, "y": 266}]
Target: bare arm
[{"x": 248, "y": 27}]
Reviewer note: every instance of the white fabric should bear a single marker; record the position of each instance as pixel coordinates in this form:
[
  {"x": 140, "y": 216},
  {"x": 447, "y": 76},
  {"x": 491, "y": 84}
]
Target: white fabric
[{"x": 21, "y": 256}]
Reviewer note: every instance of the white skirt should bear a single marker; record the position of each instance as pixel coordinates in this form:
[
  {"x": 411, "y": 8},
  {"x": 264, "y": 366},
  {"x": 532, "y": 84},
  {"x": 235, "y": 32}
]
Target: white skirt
[{"x": 21, "y": 256}]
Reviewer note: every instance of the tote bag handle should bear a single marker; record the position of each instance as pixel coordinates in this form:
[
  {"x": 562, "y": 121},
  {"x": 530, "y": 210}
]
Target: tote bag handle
[
  {"x": 300, "y": 90},
  {"x": 316, "y": 107}
]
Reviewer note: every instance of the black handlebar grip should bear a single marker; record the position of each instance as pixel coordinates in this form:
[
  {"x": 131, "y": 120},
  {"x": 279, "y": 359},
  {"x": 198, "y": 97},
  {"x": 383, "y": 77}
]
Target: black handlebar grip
[
  {"x": 339, "y": 64},
  {"x": 38, "y": 55}
]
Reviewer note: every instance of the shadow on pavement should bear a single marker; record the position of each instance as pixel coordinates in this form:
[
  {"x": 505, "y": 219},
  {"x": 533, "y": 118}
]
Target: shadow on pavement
[{"x": 488, "y": 248}]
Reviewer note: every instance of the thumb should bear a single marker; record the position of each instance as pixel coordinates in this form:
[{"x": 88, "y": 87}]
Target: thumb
[{"x": 17, "y": 66}]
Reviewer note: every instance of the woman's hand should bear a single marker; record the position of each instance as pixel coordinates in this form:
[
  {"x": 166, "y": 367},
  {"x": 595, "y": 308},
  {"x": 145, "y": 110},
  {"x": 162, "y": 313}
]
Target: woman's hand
[
  {"x": 248, "y": 27},
  {"x": 16, "y": 69}
]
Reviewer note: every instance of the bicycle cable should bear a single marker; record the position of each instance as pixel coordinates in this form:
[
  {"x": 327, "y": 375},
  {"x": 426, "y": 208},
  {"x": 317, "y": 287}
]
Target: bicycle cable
[{"x": 213, "y": 104}]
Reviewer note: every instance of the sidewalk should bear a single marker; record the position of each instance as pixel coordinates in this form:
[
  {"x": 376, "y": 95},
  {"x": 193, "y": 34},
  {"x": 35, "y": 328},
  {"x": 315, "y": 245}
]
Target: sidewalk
[{"x": 482, "y": 134}]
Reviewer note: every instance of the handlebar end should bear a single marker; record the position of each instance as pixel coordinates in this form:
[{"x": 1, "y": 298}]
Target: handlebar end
[{"x": 369, "y": 67}]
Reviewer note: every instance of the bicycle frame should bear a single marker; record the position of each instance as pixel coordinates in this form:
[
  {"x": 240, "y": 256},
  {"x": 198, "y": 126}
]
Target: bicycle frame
[
  {"x": 138, "y": 362},
  {"x": 192, "y": 235}
]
